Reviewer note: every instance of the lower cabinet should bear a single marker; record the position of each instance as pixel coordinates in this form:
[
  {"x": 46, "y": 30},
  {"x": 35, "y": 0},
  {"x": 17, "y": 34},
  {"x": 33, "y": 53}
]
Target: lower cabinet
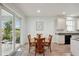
[{"x": 75, "y": 47}]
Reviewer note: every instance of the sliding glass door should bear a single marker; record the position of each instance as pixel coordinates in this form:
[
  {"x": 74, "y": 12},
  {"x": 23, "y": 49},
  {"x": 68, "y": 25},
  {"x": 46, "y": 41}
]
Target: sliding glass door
[
  {"x": 0, "y": 34},
  {"x": 17, "y": 31},
  {"x": 0, "y": 39},
  {"x": 6, "y": 28},
  {"x": 10, "y": 31}
]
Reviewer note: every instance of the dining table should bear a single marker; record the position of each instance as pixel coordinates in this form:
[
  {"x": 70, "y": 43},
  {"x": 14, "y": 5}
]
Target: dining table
[{"x": 33, "y": 38}]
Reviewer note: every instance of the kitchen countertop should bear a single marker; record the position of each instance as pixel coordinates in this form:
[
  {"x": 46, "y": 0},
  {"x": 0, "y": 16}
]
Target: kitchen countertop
[
  {"x": 67, "y": 33},
  {"x": 77, "y": 39}
]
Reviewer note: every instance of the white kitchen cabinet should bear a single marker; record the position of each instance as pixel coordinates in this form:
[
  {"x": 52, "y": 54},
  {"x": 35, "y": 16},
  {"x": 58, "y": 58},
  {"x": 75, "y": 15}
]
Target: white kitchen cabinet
[
  {"x": 77, "y": 24},
  {"x": 61, "y": 24},
  {"x": 75, "y": 47},
  {"x": 60, "y": 39}
]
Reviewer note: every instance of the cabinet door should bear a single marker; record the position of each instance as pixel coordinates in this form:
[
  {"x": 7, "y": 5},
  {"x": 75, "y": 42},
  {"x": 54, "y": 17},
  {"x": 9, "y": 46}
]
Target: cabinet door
[
  {"x": 77, "y": 23},
  {"x": 61, "y": 24}
]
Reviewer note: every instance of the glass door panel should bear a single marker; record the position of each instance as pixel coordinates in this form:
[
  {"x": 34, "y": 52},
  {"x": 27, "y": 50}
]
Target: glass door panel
[
  {"x": 0, "y": 39},
  {"x": 17, "y": 31},
  {"x": 6, "y": 27}
]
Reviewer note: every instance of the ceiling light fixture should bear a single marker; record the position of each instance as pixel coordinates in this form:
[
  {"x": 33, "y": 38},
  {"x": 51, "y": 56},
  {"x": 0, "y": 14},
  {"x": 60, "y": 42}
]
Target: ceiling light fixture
[
  {"x": 38, "y": 11},
  {"x": 72, "y": 15},
  {"x": 69, "y": 18},
  {"x": 64, "y": 13}
]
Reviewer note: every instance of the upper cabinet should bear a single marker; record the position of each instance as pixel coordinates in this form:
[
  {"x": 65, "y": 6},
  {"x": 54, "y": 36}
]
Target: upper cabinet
[
  {"x": 77, "y": 24},
  {"x": 61, "y": 23}
]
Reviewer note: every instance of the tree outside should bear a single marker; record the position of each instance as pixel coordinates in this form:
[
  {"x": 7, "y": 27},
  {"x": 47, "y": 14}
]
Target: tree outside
[{"x": 8, "y": 32}]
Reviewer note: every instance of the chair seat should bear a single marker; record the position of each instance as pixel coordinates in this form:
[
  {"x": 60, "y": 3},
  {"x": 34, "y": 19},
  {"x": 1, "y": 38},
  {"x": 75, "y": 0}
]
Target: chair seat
[
  {"x": 47, "y": 43},
  {"x": 40, "y": 51},
  {"x": 32, "y": 43}
]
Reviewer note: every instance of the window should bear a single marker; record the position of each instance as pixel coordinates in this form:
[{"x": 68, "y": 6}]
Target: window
[{"x": 70, "y": 23}]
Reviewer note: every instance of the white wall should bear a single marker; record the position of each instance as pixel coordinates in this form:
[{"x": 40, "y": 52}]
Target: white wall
[
  {"x": 23, "y": 31},
  {"x": 29, "y": 26}
]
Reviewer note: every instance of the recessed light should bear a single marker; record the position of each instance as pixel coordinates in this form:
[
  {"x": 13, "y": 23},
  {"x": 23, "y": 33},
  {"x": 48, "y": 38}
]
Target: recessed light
[
  {"x": 69, "y": 18},
  {"x": 72, "y": 15},
  {"x": 64, "y": 13},
  {"x": 38, "y": 11}
]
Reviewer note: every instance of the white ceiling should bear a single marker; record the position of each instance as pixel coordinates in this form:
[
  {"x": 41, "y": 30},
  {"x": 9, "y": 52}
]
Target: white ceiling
[{"x": 47, "y": 9}]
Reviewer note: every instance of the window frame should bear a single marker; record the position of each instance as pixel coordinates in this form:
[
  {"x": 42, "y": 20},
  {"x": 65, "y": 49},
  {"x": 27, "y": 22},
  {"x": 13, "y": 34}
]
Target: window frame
[{"x": 72, "y": 20}]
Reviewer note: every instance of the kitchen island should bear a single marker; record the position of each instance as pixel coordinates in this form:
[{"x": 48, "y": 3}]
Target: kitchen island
[{"x": 75, "y": 46}]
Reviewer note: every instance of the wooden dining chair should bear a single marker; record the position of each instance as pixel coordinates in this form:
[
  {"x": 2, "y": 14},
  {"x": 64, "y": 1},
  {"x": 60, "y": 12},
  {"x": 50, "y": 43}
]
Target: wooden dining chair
[
  {"x": 31, "y": 44},
  {"x": 39, "y": 35},
  {"x": 48, "y": 44},
  {"x": 39, "y": 48}
]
